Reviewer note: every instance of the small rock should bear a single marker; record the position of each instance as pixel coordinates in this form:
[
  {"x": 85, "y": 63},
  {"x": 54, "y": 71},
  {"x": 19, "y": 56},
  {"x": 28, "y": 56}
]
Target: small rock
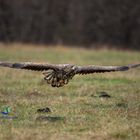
[
  {"x": 50, "y": 118},
  {"x": 43, "y": 110},
  {"x": 102, "y": 95}
]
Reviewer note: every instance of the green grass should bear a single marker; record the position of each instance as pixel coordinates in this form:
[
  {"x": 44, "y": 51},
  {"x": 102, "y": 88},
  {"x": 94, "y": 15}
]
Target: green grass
[{"x": 81, "y": 115}]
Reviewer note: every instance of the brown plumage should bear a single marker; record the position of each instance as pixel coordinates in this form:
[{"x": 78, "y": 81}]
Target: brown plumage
[{"x": 59, "y": 74}]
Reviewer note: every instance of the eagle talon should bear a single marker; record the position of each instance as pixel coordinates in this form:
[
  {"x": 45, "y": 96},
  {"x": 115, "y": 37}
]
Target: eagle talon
[{"x": 58, "y": 78}]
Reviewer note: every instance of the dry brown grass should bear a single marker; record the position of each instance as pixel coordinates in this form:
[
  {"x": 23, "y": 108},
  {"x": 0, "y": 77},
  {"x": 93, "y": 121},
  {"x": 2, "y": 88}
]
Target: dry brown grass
[{"x": 84, "y": 117}]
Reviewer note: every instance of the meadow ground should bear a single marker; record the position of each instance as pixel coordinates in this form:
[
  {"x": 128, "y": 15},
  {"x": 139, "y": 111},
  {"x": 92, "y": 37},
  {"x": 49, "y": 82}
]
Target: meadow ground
[{"x": 77, "y": 114}]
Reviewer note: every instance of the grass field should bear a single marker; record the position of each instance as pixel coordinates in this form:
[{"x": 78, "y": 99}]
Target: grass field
[{"x": 76, "y": 113}]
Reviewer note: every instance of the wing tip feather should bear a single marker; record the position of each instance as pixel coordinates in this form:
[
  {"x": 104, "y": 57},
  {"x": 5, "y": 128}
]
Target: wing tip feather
[
  {"x": 17, "y": 65},
  {"x": 123, "y": 68}
]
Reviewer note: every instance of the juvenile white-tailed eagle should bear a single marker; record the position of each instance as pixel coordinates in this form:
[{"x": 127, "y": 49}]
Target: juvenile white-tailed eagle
[{"x": 57, "y": 75}]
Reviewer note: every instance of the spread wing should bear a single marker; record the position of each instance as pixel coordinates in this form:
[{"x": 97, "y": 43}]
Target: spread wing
[
  {"x": 102, "y": 69},
  {"x": 29, "y": 66}
]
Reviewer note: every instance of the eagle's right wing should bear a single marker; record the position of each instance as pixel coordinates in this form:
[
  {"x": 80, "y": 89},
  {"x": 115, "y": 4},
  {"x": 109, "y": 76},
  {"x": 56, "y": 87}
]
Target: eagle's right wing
[{"x": 30, "y": 66}]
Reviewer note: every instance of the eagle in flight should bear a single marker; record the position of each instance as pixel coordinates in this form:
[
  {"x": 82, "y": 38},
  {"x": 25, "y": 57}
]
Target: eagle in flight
[{"x": 58, "y": 75}]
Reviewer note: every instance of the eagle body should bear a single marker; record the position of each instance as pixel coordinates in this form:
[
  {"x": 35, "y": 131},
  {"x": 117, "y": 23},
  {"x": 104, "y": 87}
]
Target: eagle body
[{"x": 58, "y": 75}]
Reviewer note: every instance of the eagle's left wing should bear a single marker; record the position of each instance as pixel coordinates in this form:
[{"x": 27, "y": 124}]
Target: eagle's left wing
[{"x": 102, "y": 69}]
